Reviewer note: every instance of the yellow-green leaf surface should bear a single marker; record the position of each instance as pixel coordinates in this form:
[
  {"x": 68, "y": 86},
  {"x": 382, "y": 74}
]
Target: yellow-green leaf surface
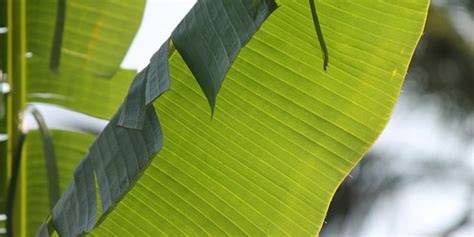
[
  {"x": 97, "y": 35},
  {"x": 284, "y": 134},
  {"x": 69, "y": 148}
]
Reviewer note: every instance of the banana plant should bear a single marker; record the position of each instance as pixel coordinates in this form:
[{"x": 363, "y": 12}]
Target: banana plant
[{"x": 245, "y": 121}]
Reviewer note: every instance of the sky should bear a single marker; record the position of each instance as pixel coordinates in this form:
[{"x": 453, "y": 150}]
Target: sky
[{"x": 159, "y": 20}]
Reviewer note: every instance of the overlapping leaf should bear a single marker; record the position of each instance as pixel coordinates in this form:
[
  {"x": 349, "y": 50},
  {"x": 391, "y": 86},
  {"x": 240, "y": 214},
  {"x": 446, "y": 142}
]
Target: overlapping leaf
[
  {"x": 70, "y": 148},
  {"x": 93, "y": 46},
  {"x": 88, "y": 80}
]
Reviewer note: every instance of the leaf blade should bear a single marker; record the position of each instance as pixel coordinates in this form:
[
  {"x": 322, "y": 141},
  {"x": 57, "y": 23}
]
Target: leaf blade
[{"x": 283, "y": 131}]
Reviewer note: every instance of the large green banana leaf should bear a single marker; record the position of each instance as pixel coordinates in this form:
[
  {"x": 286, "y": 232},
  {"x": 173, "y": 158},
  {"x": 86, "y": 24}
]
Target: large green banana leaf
[
  {"x": 89, "y": 80},
  {"x": 284, "y": 133},
  {"x": 95, "y": 41},
  {"x": 69, "y": 149}
]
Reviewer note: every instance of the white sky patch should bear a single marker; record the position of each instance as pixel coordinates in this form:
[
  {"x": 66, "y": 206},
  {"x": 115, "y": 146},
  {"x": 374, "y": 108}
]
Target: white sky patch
[
  {"x": 419, "y": 130},
  {"x": 57, "y": 117},
  {"x": 419, "y": 209},
  {"x": 159, "y": 20},
  {"x": 3, "y": 137}
]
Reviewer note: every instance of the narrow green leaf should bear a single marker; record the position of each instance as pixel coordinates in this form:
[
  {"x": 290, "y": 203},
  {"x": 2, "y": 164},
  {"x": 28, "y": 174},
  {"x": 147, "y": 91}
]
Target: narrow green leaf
[
  {"x": 55, "y": 57},
  {"x": 13, "y": 196},
  {"x": 75, "y": 212},
  {"x": 49, "y": 158},
  {"x": 319, "y": 34}
]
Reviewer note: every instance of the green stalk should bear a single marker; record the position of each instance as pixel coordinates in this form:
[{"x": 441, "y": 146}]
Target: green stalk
[
  {"x": 16, "y": 100},
  {"x": 55, "y": 58},
  {"x": 3, "y": 120},
  {"x": 319, "y": 34}
]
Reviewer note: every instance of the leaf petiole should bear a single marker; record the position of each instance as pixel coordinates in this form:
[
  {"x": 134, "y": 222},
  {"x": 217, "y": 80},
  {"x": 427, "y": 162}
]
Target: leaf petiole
[{"x": 319, "y": 34}]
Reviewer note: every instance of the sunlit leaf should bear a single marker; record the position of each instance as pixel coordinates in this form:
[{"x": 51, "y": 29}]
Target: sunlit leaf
[
  {"x": 284, "y": 133},
  {"x": 88, "y": 80}
]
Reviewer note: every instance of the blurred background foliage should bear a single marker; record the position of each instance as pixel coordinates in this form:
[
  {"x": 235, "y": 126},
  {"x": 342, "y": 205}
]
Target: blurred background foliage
[{"x": 418, "y": 180}]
